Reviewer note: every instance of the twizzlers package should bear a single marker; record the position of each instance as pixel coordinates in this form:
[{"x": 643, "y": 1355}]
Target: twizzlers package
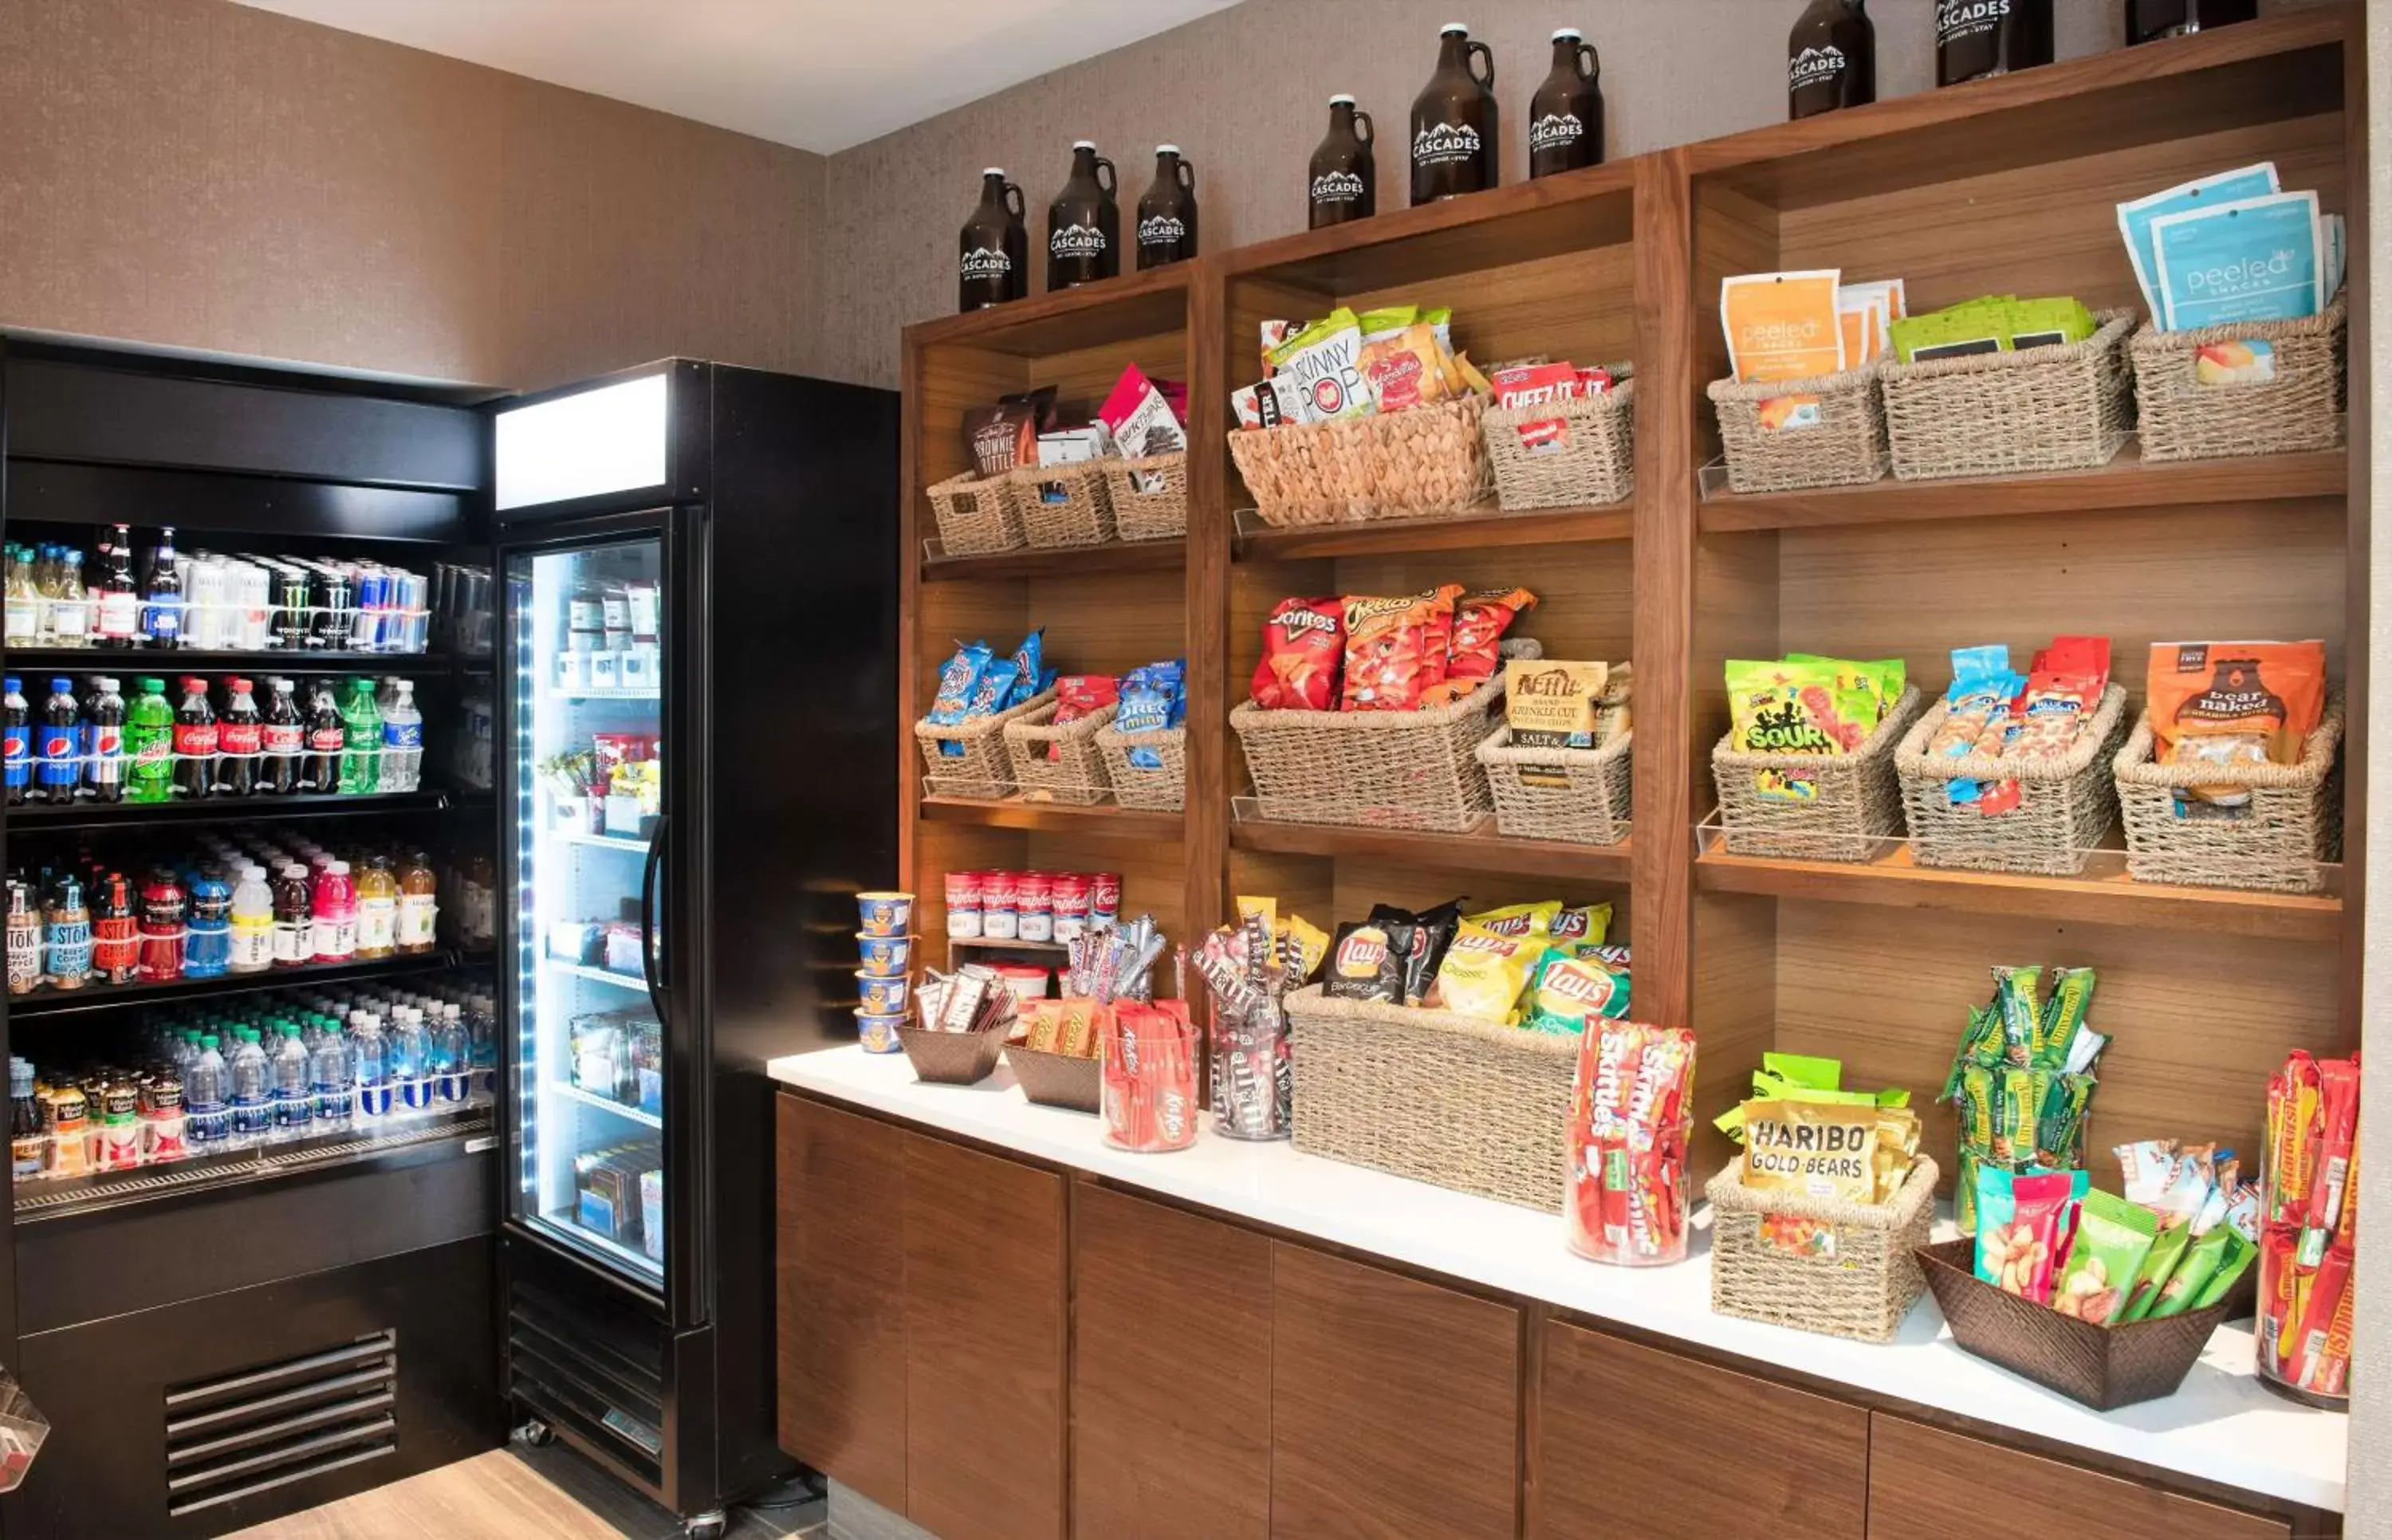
[{"x": 1304, "y": 652}]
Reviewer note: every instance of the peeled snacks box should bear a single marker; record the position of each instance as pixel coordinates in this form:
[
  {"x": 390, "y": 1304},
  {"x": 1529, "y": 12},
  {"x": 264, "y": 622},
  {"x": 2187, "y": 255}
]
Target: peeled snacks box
[{"x": 1624, "y": 1200}]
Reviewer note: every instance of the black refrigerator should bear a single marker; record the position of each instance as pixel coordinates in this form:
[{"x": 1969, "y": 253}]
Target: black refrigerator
[{"x": 697, "y": 571}]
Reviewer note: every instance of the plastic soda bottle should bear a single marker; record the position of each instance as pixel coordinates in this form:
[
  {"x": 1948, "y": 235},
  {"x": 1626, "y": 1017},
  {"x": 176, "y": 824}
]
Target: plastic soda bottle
[
  {"x": 17, "y": 760},
  {"x": 149, "y": 744},
  {"x": 58, "y": 743},
  {"x": 103, "y": 748},
  {"x": 360, "y": 740}
]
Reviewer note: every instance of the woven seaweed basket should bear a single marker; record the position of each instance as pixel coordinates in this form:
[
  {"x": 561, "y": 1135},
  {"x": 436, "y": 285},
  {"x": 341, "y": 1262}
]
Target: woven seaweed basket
[
  {"x": 1446, "y": 1099},
  {"x": 2298, "y": 410},
  {"x": 1057, "y": 764},
  {"x": 952, "y": 1058},
  {"x": 980, "y": 768},
  {"x": 2066, "y": 805},
  {"x": 1391, "y": 465},
  {"x": 1056, "y": 1080},
  {"x": 2065, "y": 406},
  {"x": 1845, "y": 448},
  {"x": 2281, "y": 840},
  {"x": 1385, "y": 770},
  {"x": 1159, "y": 510},
  {"x": 1851, "y": 1270},
  {"x": 1064, "y": 506},
  {"x": 1595, "y": 464},
  {"x": 1591, "y": 808},
  {"x": 976, "y": 516},
  {"x": 1153, "y": 789},
  {"x": 1858, "y": 801}
]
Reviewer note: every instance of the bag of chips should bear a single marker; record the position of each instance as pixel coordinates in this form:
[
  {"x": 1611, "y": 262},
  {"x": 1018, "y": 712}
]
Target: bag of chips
[
  {"x": 1304, "y": 654},
  {"x": 1403, "y": 370},
  {"x": 958, "y": 678},
  {"x": 1421, "y": 940},
  {"x": 1535, "y": 919},
  {"x": 1079, "y": 695},
  {"x": 1572, "y": 991},
  {"x": 2233, "y": 703},
  {"x": 1585, "y": 925},
  {"x": 1484, "y": 972},
  {"x": 1395, "y": 649},
  {"x": 1324, "y": 362},
  {"x": 1364, "y": 965},
  {"x": 1480, "y": 622}
]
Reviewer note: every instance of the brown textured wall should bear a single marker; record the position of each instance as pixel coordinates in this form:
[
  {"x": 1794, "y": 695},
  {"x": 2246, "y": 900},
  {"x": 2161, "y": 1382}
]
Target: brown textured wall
[
  {"x": 1245, "y": 93},
  {"x": 200, "y": 174}
]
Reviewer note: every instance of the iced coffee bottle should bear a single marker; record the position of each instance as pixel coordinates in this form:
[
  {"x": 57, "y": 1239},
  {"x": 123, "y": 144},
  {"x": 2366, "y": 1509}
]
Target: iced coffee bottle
[
  {"x": 994, "y": 265},
  {"x": 1455, "y": 127},
  {"x": 1166, "y": 215},
  {"x": 1084, "y": 223},
  {"x": 1566, "y": 115},
  {"x": 1345, "y": 172},
  {"x": 1830, "y": 59},
  {"x": 1977, "y": 38}
]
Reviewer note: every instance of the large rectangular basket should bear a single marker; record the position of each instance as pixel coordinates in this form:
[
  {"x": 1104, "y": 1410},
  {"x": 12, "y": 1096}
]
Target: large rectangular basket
[
  {"x": 1390, "y": 465},
  {"x": 1441, "y": 1098},
  {"x": 1820, "y": 1263},
  {"x": 1385, "y": 770},
  {"x": 1159, "y": 787},
  {"x": 1064, "y": 506},
  {"x": 979, "y": 767},
  {"x": 977, "y": 516},
  {"x": 1150, "y": 495},
  {"x": 2065, "y": 807},
  {"x": 1578, "y": 794},
  {"x": 1855, "y": 801},
  {"x": 1835, "y": 439},
  {"x": 2059, "y": 407},
  {"x": 2298, "y": 410},
  {"x": 1595, "y": 463},
  {"x": 2283, "y": 839},
  {"x": 1057, "y": 764}
]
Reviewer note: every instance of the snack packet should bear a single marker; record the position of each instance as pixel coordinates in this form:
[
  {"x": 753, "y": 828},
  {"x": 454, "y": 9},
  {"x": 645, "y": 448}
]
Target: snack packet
[
  {"x": 1581, "y": 926},
  {"x": 2021, "y": 1223},
  {"x": 1140, "y": 418},
  {"x": 958, "y": 681},
  {"x": 1078, "y": 696},
  {"x": 1424, "y": 937},
  {"x": 1979, "y": 695},
  {"x": 1479, "y": 621},
  {"x": 1323, "y": 364},
  {"x": 1304, "y": 650},
  {"x": 2238, "y": 702},
  {"x": 1571, "y": 993},
  {"x": 1395, "y": 649},
  {"x": 1783, "y": 326},
  {"x": 1483, "y": 974},
  {"x": 1265, "y": 405},
  {"x": 1821, "y": 1149},
  {"x": 1549, "y": 703},
  {"x": 1364, "y": 965},
  {"x": 1792, "y": 707},
  {"x": 1403, "y": 370},
  {"x": 1536, "y": 919},
  {"x": 2113, "y": 1238}
]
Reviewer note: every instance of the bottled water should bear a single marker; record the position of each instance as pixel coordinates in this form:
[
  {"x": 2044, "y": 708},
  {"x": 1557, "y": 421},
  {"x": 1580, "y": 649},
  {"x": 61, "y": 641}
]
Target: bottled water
[
  {"x": 410, "y": 1060},
  {"x": 402, "y": 737},
  {"x": 252, "y": 1111},
  {"x": 372, "y": 1051},
  {"x": 207, "y": 1119},
  {"x": 452, "y": 1058},
  {"x": 335, "y": 1088},
  {"x": 293, "y": 1094}
]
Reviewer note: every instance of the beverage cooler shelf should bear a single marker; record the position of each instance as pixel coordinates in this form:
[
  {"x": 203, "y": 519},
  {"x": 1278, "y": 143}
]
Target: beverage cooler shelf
[
  {"x": 100, "y": 997},
  {"x": 631, "y": 982},
  {"x": 639, "y": 1263},
  {"x": 607, "y": 1105},
  {"x": 111, "y": 815},
  {"x": 161, "y": 660}
]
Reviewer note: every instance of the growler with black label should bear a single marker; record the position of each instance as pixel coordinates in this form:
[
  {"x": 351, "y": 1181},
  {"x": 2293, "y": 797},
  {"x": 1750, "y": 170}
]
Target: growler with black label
[
  {"x": 1345, "y": 169},
  {"x": 2148, "y": 20},
  {"x": 1455, "y": 127},
  {"x": 1166, "y": 215},
  {"x": 1830, "y": 59},
  {"x": 1977, "y": 38},
  {"x": 994, "y": 263},
  {"x": 1566, "y": 115},
  {"x": 1084, "y": 223}
]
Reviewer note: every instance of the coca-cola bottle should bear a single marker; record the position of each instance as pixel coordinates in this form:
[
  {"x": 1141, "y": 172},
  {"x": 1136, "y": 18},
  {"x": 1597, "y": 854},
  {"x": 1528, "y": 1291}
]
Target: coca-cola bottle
[
  {"x": 1830, "y": 59},
  {"x": 241, "y": 739},
  {"x": 1566, "y": 115},
  {"x": 1455, "y": 127},
  {"x": 319, "y": 768},
  {"x": 1976, "y": 38},
  {"x": 994, "y": 263},
  {"x": 195, "y": 742},
  {"x": 1084, "y": 223},
  {"x": 1344, "y": 171},
  {"x": 2148, "y": 20},
  {"x": 1166, "y": 215}
]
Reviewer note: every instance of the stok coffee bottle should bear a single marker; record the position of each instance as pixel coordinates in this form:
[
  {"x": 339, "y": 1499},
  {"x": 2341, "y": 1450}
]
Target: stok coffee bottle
[
  {"x": 1344, "y": 171},
  {"x": 2148, "y": 20},
  {"x": 1830, "y": 59},
  {"x": 994, "y": 265},
  {"x": 1977, "y": 38},
  {"x": 1084, "y": 223},
  {"x": 1566, "y": 115},
  {"x": 1455, "y": 128},
  {"x": 1166, "y": 215}
]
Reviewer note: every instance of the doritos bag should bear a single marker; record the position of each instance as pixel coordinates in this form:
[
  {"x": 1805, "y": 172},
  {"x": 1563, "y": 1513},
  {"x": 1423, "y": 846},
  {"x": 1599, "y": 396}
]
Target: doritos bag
[{"x": 1304, "y": 651}]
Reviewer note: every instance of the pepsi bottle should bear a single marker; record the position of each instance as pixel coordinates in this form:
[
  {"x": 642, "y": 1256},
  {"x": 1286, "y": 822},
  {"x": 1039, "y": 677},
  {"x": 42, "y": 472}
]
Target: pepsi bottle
[
  {"x": 61, "y": 742},
  {"x": 16, "y": 762}
]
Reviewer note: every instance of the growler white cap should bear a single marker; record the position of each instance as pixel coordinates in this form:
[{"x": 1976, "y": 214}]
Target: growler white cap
[
  {"x": 1084, "y": 144},
  {"x": 1340, "y": 100},
  {"x": 1166, "y": 150},
  {"x": 992, "y": 171},
  {"x": 1570, "y": 32},
  {"x": 1453, "y": 27}
]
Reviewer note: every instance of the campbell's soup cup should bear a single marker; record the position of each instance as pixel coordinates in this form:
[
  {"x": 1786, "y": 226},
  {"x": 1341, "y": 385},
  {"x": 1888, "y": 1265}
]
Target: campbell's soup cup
[
  {"x": 885, "y": 956},
  {"x": 886, "y": 914},
  {"x": 878, "y": 1033},
  {"x": 964, "y": 905},
  {"x": 1068, "y": 896},
  {"x": 1033, "y": 908},
  {"x": 1000, "y": 919},
  {"x": 882, "y": 994}
]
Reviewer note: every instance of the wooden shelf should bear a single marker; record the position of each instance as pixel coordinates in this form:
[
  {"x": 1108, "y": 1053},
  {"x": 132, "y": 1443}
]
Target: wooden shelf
[
  {"x": 2126, "y": 482},
  {"x": 1472, "y": 852},
  {"x": 1476, "y": 530},
  {"x": 1105, "y": 821},
  {"x": 1078, "y": 562},
  {"x": 1897, "y": 881},
  {"x": 1067, "y": 320}
]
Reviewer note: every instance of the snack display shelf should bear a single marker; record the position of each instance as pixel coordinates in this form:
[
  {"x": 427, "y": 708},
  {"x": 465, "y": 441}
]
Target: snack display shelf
[
  {"x": 1105, "y": 818},
  {"x": 1473, "y": 529},
  {"x": 1482, "y": 849},
  {"x": 1074, "y": 561},
  {"x": 607, "y": 1105},
  {"x": 599, "y": 976},
  {"x": 108, "y": 815},
  {"x": 2101, "y": 893},
  {"x": 2125, "y": 483},
  {"x": 101, "y": 997}
]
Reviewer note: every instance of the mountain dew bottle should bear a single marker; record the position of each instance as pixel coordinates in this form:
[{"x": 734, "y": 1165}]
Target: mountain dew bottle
[{"x": 149, "y": 744}]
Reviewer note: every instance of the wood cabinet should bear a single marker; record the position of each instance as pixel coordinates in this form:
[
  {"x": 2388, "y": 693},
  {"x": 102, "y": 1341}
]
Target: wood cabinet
[
  {"x": 841, "y": 1281},
  {"x": 1171, "y": 1372},
  {"x": 1736, "y": 1455},
  {"x": 984, "y": 1345},
  {"x": 1395, "y": 1406},
  {"x": 1926, "y": 1483}
]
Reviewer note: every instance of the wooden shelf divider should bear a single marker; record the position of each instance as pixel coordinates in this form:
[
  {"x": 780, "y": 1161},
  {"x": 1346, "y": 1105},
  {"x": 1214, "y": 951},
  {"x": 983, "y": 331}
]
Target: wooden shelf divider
[{"x": 1483, "y": 850}]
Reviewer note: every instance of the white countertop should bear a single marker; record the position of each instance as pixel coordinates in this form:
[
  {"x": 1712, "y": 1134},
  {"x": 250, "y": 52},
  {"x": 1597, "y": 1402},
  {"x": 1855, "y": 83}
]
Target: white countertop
[{"x": 2222, "y": 1426}]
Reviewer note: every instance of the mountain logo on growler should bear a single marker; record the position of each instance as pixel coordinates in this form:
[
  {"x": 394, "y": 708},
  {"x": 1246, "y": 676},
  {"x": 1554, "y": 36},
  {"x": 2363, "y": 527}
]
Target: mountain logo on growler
[
  {"x": 1445, "y": 145},
  {"x": 1959, "y": 17},
  {"x": 986, "y": 262},
  {"x": 1161, "y": 230},
  {"x": 1814, "y": 67},
  {"x": 1076, "y": 241},
  {"x": 1336, "y": 187},
  {"x": 1555, "y": 130}
]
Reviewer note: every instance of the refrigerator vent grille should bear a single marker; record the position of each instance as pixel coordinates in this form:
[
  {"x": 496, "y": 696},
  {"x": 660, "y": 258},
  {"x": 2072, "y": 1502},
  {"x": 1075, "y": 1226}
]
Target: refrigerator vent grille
[
  {"x": 240, "y": 1435},
  {"x": 592, "y": 1372}
]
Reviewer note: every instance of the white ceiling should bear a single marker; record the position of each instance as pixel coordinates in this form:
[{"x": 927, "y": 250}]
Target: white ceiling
[{"x": 819, "y": 74}]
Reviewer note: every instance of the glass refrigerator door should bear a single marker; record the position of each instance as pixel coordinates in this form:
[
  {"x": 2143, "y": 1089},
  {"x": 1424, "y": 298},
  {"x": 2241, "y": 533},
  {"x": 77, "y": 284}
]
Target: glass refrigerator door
[{"x": 589, "y": 637}]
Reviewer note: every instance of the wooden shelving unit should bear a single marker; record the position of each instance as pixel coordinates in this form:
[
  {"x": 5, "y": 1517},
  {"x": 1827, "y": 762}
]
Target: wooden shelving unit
[
  {"x": 1106, "y": 821},
  {"x": 1481, "y": 851},
  {"x": 1078, "y": 562}
]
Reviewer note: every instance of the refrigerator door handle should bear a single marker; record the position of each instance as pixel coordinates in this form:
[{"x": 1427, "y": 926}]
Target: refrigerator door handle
[{"x": 653, "y": 966}]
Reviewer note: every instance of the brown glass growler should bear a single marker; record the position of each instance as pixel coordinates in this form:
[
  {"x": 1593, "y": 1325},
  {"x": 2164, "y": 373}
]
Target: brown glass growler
[
  {"x": 1344, "y": 182},
  {"x": 1166, "y": 215},
  {"x": 994, "y": 263},
  {"x": 2149, "y": 19},
  {"x": 1976, "y": 38},
  {"x": 1455, "y": 127},
  {"x": 1566, "y": 115},
  {"x": 1830, "y": 59},
  {"x": 1084, "y": 223}
]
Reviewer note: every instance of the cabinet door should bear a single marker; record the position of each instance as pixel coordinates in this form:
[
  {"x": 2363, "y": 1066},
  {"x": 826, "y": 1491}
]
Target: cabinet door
[
  {"x": 1926, "y": 1483},
  {"x": 983, "y": 1345},
  {"x": 1395, "y": 1406},
  {"x": 1736, "y": 1455},
  {"x": 1171, "y": 1381},
  {"x": 840, "y": 1275}
]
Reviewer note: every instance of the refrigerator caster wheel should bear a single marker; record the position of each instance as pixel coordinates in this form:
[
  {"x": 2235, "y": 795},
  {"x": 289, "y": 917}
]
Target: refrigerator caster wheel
[
  {"x": 536, "y": 1434},
  {"x": 706, "y": 1526}
]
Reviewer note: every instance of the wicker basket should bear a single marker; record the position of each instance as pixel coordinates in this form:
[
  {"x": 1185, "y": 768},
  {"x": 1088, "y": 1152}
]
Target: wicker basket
[
  {"x": 2299, "y": 409},
  {"x": 1853, "y": 1273},
  {"x": 1857, "y": 802},
  {"x": 1064, "y": 506},
  {"x": 951, "y": 1058},
  {"x": 981, "y": 769},
  {"x": 1595, "y": 463},
  {"x": 1393, "y": 465},
  {"x": 2062, "y": 407},
  {"x": 1844, "y": 447},
  {"x": 1384, "y": 770},
  {"x": 1056, "y": 1080},
  {"x": 977, "y": 517},
  {"x": 1159, "y": 513},
  {"x": 1057, "y": 764},
  {"x": 1590, "y": 807},
  {"x": 2065, "y": 804},
  {"x": 1441, "y": 1098},
  {"x": 2282, "y": 840},
  {"x": 2103, "y": 1366},
  {"x": 1156, "y": 789}
]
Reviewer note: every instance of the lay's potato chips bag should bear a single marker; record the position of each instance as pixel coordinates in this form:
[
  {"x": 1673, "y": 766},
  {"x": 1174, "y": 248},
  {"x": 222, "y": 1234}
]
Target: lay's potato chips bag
[{"x": 1482, "y": 973}]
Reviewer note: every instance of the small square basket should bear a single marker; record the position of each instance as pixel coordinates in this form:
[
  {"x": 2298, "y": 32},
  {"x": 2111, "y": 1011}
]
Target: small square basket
[
  {"x": 1148, "y": 770},
  {"x": 1857, "y": 802},
  {"x": 2059, "y": 407},
  {"x": 1057, "y": 764},
  {"x": 1385, "y": 770},
  {"x": 1064, "y": 506},
  {"x": 1591, "y": 805},
  {"x": 1769, "y": 450},
  {"x": 979, "y": 767},
  {"x": 1150, "y": 497},
  {"x": 977, "y": 516},
  {"x": 2298, "y": 410},
  {"x": 1068, "y": 1080},
  {"x": 2280, "y": 840},
  {"x": 1820, "y": 1263},
  {"x": 2066, "y": 805},
  {"x": 1594, "y": 463}
]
